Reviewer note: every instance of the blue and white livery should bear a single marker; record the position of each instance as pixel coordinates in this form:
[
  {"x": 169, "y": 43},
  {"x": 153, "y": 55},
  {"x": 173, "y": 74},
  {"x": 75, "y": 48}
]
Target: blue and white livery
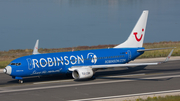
[{"x": 83, "y": 64}]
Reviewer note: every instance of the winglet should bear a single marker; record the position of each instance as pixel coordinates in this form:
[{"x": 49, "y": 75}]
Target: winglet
[
  {"x": 168, "y": 57},
  {"x": 35, "y": 51}
]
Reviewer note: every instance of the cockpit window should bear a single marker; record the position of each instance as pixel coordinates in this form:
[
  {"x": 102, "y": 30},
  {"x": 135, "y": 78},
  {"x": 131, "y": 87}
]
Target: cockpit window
[
  {"x": 12, "y": 63},
  {"x": 17, "y": 64}
]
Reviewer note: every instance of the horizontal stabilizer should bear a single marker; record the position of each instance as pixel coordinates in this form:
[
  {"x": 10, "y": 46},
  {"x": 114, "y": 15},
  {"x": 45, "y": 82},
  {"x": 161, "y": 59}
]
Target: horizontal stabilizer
[{"x": 154, "y": 49}]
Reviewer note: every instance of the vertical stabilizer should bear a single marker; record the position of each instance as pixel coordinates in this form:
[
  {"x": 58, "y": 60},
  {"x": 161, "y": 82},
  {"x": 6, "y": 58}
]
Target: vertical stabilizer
[
  {"x": 136, "y": 37},
  {"x": 35, "y": 51}
]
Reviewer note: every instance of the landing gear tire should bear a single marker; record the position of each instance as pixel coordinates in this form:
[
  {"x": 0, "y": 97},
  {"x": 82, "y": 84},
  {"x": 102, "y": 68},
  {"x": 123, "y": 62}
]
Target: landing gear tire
[{"x": 21, "y": 81}]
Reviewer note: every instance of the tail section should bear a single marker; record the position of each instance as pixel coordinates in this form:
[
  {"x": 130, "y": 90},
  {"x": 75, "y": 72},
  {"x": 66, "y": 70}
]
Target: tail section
[
  {"x": 136, "y": 37},
  {"x": 35, "y": 51}
]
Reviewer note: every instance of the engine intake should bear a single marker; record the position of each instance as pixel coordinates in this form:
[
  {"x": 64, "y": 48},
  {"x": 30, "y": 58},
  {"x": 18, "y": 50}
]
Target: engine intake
[{"x": 82, "y": 73}]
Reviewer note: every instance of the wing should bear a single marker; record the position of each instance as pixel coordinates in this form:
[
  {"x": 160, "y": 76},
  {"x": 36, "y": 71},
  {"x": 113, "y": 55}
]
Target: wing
[
  {"x": 120, "y": 65},
  {"x": 123, "y": 65},
  {"x": 113, "y": 65}
]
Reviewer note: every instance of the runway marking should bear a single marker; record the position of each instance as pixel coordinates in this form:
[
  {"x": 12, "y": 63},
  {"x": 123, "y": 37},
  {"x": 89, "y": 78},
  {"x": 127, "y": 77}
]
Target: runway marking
[
  {"x": 1, "y": 70},
  {"x": 154, "y": 73},
  {"x": 129, "y": 95},
  {"x": 83, "y": 84}
]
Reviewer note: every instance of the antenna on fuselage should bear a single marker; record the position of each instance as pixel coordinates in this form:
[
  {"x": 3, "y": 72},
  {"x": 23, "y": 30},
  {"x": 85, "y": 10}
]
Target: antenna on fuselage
[{"x": 35, "y": 51}]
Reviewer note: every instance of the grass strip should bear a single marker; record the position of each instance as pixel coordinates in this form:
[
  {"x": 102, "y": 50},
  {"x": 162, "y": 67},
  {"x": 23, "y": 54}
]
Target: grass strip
[
  {"x": 166, "y": 98},
  {"x": 4, "y": 63}
]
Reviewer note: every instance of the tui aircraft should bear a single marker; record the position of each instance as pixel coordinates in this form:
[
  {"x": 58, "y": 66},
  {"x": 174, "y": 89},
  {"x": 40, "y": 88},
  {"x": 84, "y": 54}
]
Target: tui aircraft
[{"x": 83, "y": 64}]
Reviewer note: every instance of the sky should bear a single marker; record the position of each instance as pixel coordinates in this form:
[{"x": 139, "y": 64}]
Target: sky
[{"x": 72, "y": 23}]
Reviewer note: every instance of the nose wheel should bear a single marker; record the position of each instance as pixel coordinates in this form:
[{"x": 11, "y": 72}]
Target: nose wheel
[{"x": 21, "y": 81}]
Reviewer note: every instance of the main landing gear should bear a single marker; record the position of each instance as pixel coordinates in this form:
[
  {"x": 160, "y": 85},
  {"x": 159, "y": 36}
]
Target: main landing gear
[{"x": 21, "y": 81}]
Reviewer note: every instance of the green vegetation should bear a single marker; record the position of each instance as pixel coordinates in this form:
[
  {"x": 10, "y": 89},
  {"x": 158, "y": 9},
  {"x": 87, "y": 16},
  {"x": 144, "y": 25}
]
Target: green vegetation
[
  {"x": 7, "y": 56},
  {"x": 161, "y": 53},
  {"x": 166, "y": 98},
  {"x": 4, "y": 63}
]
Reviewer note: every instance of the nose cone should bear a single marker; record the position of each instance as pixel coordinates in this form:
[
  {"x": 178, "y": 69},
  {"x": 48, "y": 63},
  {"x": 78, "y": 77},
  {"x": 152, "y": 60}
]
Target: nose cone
[{"x": 8, "y": 70}]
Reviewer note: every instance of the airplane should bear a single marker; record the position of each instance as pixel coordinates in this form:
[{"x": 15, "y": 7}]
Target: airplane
[{"x": 83, "y": 64}]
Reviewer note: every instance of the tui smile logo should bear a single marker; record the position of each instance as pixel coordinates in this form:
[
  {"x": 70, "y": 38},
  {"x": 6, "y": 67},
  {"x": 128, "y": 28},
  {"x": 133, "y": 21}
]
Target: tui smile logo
[{"x": 138, "y": 39}]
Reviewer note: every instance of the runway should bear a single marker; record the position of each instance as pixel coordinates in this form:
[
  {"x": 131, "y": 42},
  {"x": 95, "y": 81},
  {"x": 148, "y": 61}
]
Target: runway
[{"x": 108, "y": 83}]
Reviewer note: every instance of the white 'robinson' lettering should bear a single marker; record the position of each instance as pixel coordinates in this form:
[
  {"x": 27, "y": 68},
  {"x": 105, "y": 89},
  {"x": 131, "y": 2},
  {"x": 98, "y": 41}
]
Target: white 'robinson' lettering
[
  {"x": 55, "y": 61},
  {"x": 80, "y": 59},
  {"x": 35, "y": 62},
  {"x": 73, "y": 61},
  {"x": 44, "y": 63},
  {"x": 50, "y": 62}
]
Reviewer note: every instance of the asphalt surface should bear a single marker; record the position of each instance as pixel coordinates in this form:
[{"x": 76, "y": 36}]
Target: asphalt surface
[{"x": 120, "y": 81}]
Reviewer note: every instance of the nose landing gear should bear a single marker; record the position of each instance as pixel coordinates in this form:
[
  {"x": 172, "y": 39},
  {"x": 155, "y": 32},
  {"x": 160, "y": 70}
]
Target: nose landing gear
[{"x": 18, "y": 78}]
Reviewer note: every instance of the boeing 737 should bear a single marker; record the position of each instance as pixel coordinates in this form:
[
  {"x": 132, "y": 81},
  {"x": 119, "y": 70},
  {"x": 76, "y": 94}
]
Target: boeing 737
[{"x": 83, "y": 64}]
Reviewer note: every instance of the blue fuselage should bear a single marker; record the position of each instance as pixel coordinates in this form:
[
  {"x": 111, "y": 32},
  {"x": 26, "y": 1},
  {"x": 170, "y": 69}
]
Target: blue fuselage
[{"x": 57, "y": 63}]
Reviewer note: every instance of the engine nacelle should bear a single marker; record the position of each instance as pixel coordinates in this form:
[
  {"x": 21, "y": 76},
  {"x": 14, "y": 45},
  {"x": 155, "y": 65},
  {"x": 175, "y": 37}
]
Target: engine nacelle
[{"x": 82, "y": 73}]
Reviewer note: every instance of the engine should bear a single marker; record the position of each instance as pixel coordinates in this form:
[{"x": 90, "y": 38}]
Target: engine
[{"x": 82, "y": 73}]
